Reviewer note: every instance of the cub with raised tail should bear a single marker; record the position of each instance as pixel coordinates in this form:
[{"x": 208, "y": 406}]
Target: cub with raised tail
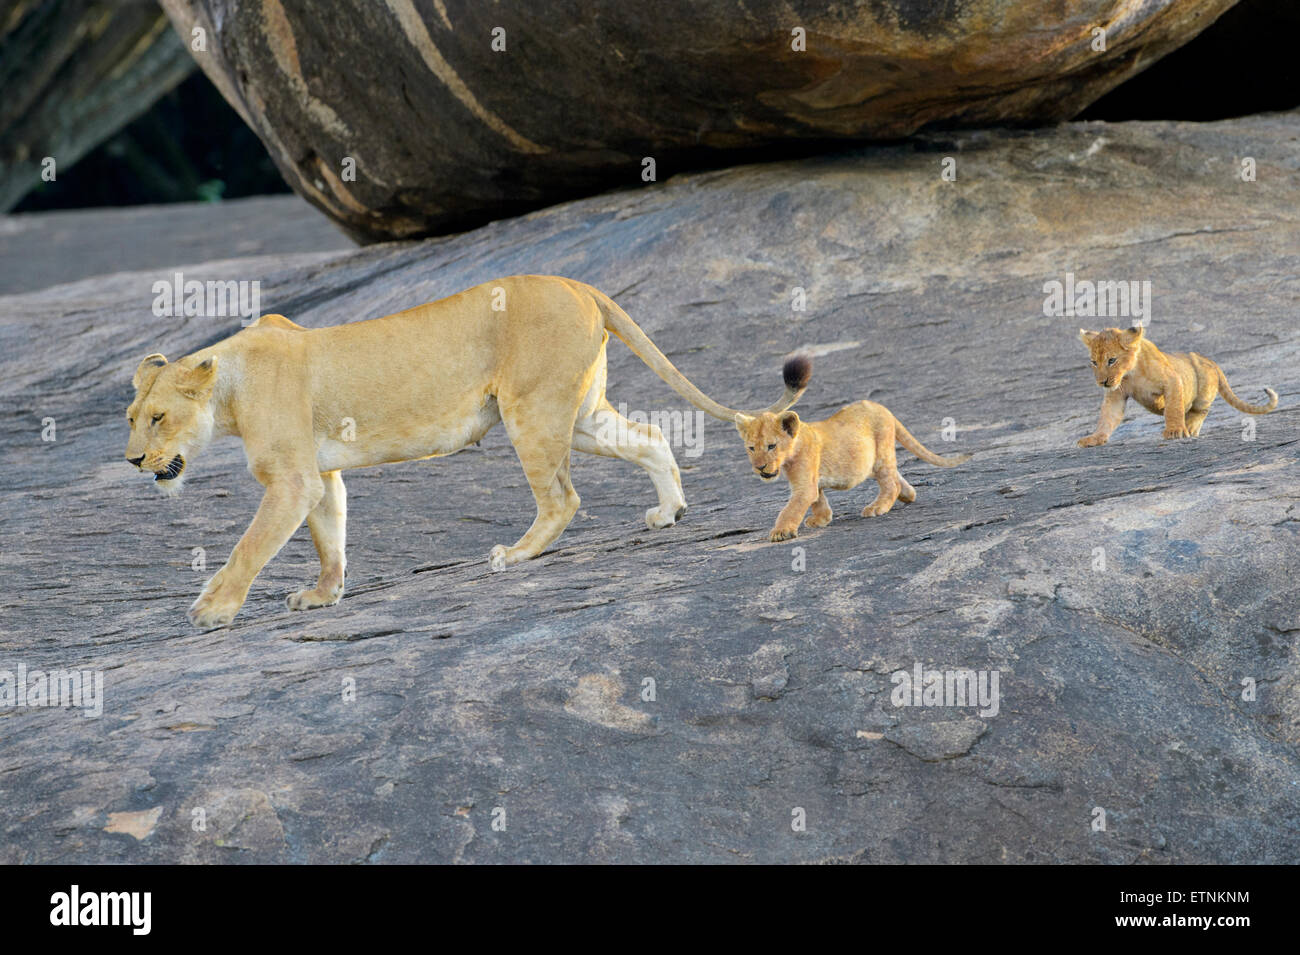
[
  {"x": 838, "y": 454},
  {"x": 1179, "y": 385}
]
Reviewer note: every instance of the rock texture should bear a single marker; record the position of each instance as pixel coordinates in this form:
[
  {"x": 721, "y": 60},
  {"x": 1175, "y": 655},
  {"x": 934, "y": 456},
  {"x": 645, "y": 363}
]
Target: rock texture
[
  {"x": 521, "y": 698},
  {"x": 59, "y": 247},
  {"x": 449, "y": 113},
  {"x": 73, "y": 73}
]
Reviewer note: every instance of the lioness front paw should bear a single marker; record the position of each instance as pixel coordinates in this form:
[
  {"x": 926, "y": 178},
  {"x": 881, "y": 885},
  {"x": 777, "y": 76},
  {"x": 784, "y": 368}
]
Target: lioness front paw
[
  {"x": 778, "y": 534},
  {"x": 497, "y": 558},
  {"x": 1093, "y": 440},
  {"x": 210, "y": 612},
  {"x": 217, "y": 604},
  {"x": 1181, "y": 432},
  {"x": 311, "y": 599}
]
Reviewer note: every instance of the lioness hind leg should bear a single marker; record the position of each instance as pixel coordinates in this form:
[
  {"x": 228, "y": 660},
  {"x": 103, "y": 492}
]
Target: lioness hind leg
[
  {"x": 328, "y": 524},
  {"x": 545, "y": 459},
  {"x": 607, "y": 433}
]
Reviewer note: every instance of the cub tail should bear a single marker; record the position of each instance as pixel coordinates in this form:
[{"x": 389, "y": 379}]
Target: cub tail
[
  {"x": 796, "y": 372},
  {"x": 905, "y": 438},
  {"x": 1240, "y": 405}
]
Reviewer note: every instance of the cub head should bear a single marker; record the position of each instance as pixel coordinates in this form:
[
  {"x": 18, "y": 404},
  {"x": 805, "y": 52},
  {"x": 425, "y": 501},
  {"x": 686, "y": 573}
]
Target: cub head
[
  {"x": 1114, "y": 353},
  {"x": 170, "y": 417},
  {"x": 769, "y": 440}
]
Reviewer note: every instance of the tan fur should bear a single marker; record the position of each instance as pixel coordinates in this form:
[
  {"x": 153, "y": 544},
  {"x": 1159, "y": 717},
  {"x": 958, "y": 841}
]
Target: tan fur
[
  {"x": 1180, "y": 386},
  {"x": 309, "y": 403},
  {"x": 837, "y": 454}
]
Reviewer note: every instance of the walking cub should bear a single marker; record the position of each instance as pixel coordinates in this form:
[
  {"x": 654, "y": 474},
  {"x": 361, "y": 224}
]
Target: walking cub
[
  {"x": 1180, "y": 386},
  {"x": 837, "y": 454}
]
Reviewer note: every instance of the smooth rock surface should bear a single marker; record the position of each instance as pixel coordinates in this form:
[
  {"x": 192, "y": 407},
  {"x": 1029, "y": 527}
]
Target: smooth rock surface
[
  {"x": 53, "y": 248},
  {"x": 520, "y": 696},
  {"x": 402, "y": 118}
]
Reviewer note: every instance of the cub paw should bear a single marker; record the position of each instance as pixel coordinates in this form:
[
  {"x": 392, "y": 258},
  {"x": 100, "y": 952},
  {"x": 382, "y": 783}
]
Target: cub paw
[
  {"x": 1177, "y": 433},
  {"x": 497, "y": 558},
  {"x": 819, "y": 520},
  {"x": 1092, "y": 441},
  {"x": 311, "y": 599},
  {"x": 779, "y": 535}
]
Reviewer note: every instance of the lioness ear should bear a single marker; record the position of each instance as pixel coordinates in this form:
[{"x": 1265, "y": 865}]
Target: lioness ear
[
  {"x": 1132, "y": 336},
  {"x": 1087, "y": 337},
  {"x": 198, "y": 383},
  {"x": 790, "y": 423},
  {"x": 150, "y": 362}
]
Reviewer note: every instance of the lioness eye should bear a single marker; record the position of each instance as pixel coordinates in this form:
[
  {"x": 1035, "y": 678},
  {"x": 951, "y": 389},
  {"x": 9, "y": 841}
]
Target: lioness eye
[
  {"x": 157, "y": 418},
  {"x": 751, "y": 447}
]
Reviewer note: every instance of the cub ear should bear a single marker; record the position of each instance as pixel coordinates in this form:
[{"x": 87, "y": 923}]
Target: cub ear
[
  {"x": 790, "y": 423},
  {"x": 1132, "y": 336},
  {"x": 198, "y": 383},
  {"x": 149, "y": 365},
  {"x": 743, "y": 421},
  {"x": 1087, "y": 337}
]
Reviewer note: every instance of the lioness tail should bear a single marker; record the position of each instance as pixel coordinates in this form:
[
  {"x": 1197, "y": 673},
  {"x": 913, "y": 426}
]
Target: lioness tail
[
  {"x": 796, "y": 372},
  {"x": 1240, "y": 405},
  {"x": 905, "y": 438}
]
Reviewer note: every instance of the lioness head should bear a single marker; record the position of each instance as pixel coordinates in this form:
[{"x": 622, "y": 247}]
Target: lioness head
[
  {"x": 1114, "y": 353},
  {"x": 769, "y": 439},
  {"x": 170, "y": 417}
]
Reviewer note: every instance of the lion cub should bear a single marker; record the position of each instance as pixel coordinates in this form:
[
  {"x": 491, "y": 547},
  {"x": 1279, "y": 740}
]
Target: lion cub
[
  {"x": 839, "y": 453},
  {"x": 1180, "y": 386}
]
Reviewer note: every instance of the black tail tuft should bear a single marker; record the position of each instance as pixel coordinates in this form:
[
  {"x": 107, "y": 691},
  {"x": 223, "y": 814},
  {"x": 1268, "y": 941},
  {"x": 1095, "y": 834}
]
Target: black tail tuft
[{"x": 797, "y": 371}]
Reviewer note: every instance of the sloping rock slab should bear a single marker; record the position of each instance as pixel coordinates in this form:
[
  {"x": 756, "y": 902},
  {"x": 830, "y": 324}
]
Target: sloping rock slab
[
  {"x": 692, "y": 694},
  {"x": 52, "y": 248}
]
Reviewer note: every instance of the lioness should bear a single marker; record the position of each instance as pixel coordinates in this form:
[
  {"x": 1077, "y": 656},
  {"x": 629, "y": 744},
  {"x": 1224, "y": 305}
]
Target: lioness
[
  {"x": 1181, "y": 386},
  {"x": 839, "y": 453},
  {"x": 424, "y": 382}
]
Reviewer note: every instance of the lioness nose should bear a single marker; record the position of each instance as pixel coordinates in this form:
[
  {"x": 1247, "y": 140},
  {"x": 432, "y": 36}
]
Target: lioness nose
[{"x": 135, "y": 461}]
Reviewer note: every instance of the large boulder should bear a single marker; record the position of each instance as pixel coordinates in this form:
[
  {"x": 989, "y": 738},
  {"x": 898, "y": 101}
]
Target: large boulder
[
  {"x": 1138, "y": 600},
  {"x": 399, "y": 118}
]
